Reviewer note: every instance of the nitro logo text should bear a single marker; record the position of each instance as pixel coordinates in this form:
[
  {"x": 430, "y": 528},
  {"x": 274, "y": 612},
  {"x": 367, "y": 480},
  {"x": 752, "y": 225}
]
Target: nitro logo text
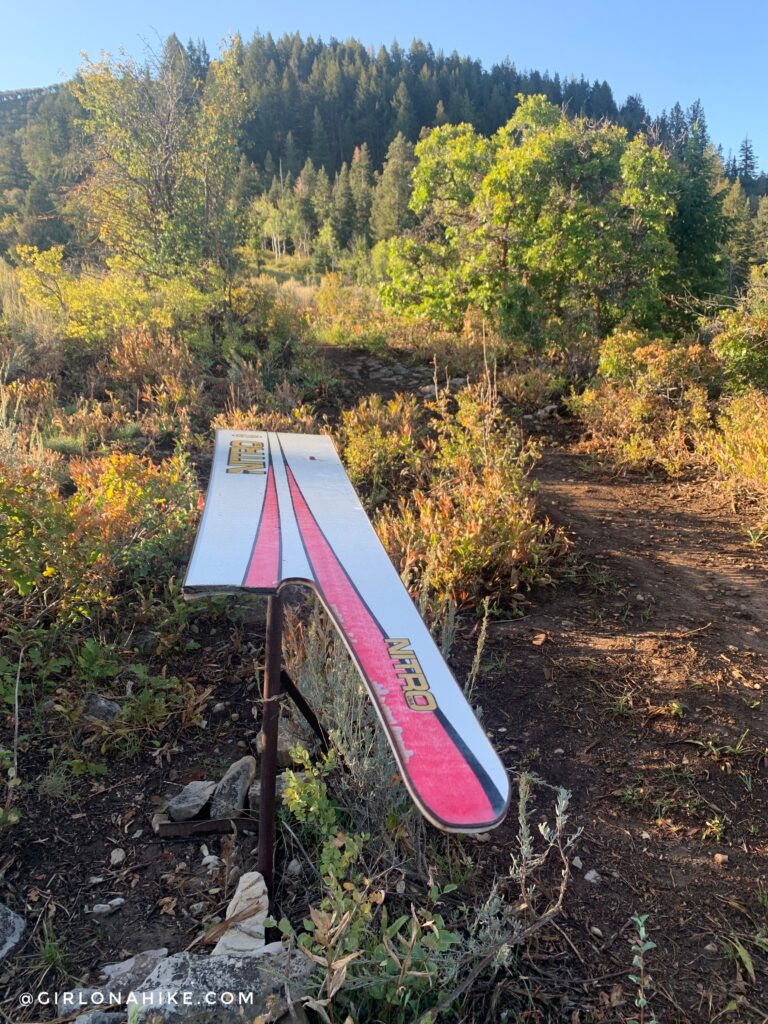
[
  {"x": 415, "y": 686},
  {"x": 247, "y": 457}
]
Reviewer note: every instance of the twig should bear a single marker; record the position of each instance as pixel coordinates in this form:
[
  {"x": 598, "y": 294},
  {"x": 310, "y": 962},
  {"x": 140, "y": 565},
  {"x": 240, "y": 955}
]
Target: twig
[{"x": 679, "y": 636}]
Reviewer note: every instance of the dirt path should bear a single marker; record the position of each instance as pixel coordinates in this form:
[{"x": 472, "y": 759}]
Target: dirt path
[{"x": 646, "y": 700}]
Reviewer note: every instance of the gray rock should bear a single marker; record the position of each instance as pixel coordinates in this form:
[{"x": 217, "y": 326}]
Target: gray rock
[
  {"x": 100, "y": 709},
  {"x": 254, "y": 793},
  {"x": 593, "y": 876},
  {"x": 76, "y": 999},
  {"x": 99, "y": 1017},
  {"x": 121, "y": 978},
  {"x": 11, "y": 929},
  {"x": 260, "y": 979},
  {"x": 191, "y": 800},
  {"x": 287, "y": 738},
  {"x": 127, "y": 974},
  {"x": 230, "y": 794}
]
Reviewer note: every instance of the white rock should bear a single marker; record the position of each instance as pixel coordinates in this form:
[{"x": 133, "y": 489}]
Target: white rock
[
  {"x": 293, "y": 867},
  {"x": 592, "y": 876},
  {"x": 577, "y": 863},
  {"x": 117, "y": 857},
  {"x": 250, "y": 905}
]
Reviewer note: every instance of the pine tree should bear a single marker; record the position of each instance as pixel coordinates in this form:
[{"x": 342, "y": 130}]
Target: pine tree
[
  {"x": 342, "y": 208},
  {"x": 320, "y": 149},
  {"x": 291, "y": 158},
  {"x": 405, "y": 116},
  {"x": 390, "y": 212},
  {"x": 633, "y": 116},
  {"x": 321, "y": 197},
  {"x": 41, "y": 224},
  {"x": 761, "y": 230},
  {"x": 740, "y": 244},
  {"x": 697, "y": 228},
  {"x": 361, "y": 183},
  {"x": 747, "y": 164}
]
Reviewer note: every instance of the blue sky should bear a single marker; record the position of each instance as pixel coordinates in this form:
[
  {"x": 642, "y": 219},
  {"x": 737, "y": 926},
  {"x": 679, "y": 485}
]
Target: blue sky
[{"x": 666, "y": 50}]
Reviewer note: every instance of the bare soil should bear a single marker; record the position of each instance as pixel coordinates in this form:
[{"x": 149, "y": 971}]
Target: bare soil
[{"x": 640, "y": 687}]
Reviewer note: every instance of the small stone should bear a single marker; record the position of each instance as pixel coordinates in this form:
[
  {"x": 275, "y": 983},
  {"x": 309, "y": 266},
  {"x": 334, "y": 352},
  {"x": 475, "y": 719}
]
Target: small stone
[
  {"x": 105, "y": 909},
  {"x": 558, "y": 750},
  {"x": 117, "y": 857},
  {"x": 219, "y": 708},
  {"x": 230, "y": 794},
  {"x": 293, "y": 867},
  {"x": 721, "y": 859},
  {"x": 100, "y": 709},
  {"x": 645, "y": 835},
  {"x": 596, "y": 932},
  {"x": 577, "y": 863},
  {"x": 159, "y": 818},
  {"x": 197, "y": 909},
  {"x": 11, "y": 929},
  {"x": 250, "y": 905},
  {"x": 241, "y": 745},
  {"x": 711, "y": 948},
  {"x": 592, "y": 876},
  {"x": 189, "y": 801}
]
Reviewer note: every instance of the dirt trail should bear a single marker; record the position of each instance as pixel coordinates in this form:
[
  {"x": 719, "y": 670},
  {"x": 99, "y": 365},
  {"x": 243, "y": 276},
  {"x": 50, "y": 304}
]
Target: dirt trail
[{"x": 646, "y": 700}]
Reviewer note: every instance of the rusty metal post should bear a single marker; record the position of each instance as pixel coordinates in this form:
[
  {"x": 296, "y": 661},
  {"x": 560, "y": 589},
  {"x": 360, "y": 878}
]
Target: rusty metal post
[{"x": 269, "y": 727}]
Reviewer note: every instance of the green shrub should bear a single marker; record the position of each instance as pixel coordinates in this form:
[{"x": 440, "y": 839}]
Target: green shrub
[
  {"x": 472, "y": 530},
  {"x": 383, "y": 447},
  {"x": 739, "y": 445},
  {"x": 743, "y": 342}
]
